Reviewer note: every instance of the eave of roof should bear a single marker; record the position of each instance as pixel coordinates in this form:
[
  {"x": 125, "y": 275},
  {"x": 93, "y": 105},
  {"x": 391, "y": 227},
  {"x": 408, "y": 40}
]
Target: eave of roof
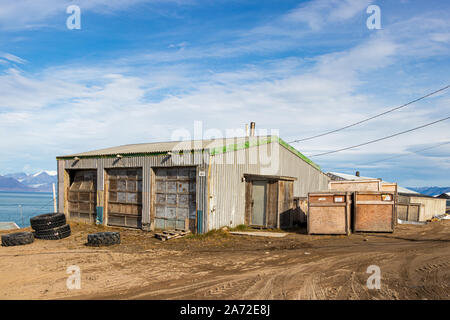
[{"x": 188, "y": 146}]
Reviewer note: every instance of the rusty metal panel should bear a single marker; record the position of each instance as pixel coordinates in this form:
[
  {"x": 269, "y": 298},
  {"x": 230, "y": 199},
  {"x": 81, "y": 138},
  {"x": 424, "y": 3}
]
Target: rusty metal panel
[
  {"x": 329, "y": 212},
  {"x": 374, "y": 211}
]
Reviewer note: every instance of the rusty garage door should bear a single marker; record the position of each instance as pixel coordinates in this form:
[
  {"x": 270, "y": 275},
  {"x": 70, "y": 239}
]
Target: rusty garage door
[
  {"x": 124, "y": 197},
  {"x": 174, "y": 198},
  {"x": 83, "y": 195}
]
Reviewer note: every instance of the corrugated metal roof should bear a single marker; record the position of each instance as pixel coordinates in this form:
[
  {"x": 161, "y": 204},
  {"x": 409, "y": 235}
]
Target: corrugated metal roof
[
  {"x": 215, "y": 146},
  {"x": 350, "y": 177},
  {"x": 174, "y": 146}
]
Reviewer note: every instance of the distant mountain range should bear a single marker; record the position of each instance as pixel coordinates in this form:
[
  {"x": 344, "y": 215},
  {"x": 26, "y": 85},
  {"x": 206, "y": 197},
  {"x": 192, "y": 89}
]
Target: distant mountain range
[
  {"x": 431, "y": 191},
  {"x": 41, "y": 181}
]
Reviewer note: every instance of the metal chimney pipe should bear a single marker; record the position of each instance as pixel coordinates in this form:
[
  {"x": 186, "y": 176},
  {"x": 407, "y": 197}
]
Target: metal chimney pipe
[
  {"x": 246, "y": 129},
  {"x": 252, "y": 129}
]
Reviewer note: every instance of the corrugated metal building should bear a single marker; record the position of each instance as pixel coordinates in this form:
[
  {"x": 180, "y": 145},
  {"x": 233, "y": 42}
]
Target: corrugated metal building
[{"x": 200, "y": 185}]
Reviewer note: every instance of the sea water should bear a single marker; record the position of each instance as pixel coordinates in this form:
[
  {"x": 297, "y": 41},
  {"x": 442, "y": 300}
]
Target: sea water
[{"x": 19, "y": 207}]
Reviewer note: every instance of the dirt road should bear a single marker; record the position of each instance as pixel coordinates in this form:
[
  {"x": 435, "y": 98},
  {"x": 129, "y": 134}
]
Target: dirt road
[{"x": 414, "y": 263}]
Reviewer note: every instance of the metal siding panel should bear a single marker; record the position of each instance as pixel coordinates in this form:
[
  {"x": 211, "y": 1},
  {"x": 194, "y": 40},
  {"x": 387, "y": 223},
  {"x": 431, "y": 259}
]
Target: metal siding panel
[{"x": 228, "y": 190}]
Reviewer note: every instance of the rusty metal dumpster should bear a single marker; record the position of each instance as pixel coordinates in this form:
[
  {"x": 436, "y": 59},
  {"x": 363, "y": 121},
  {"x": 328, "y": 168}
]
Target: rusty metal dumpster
[
  {"x": 329, "y": 212},
  {"x": 374, "y": 211}
]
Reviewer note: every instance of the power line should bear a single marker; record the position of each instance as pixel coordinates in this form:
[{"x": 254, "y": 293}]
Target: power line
[
  {"x": 379, "y": 139},
  {"x": 403, "y": 155},
  {"x": 373, "y": 117}
]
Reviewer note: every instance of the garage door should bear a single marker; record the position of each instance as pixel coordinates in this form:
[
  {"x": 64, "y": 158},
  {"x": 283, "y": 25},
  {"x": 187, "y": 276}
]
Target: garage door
[
  {"x": 83, "y": 196},
  {"x": 174, "y": 199},
  {"x": 125, "y": 197}
]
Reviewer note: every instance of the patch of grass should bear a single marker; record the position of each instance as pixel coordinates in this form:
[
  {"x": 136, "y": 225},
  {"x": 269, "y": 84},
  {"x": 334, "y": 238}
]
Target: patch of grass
[
  {"x": 241, "y": 227},
  {"x": 209, "y": 235}
]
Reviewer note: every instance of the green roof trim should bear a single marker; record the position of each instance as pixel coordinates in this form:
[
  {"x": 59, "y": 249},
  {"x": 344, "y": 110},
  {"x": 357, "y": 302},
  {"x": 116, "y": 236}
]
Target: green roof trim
[
  {"x": 239, "y": 146},
  {"x": 298, "y": 153}
]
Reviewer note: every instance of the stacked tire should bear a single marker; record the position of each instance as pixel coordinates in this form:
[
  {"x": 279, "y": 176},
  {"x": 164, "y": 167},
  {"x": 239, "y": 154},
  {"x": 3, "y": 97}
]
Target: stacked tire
[
  {"x": 103, "y": 239},
  {"x": 50, "y": 226}
]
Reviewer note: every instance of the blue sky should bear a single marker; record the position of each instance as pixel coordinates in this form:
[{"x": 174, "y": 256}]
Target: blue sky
[{"x": 140, "y": 71}]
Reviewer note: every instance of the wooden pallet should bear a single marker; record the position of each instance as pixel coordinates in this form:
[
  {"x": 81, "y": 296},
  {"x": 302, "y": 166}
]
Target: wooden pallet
[{"x": 171, "y": 234}]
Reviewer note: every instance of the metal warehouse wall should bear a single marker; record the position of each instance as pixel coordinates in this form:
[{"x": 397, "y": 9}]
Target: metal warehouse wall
[
  {"x": 227, "y": 190},
  {"x": 146, "y": 163}
]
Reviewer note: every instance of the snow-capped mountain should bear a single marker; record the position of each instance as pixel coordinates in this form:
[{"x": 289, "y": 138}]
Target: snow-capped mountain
[
  {"x": 18, "y": 175},
  {"x": 41, "y": 181},
  {"x": 11, "y": 184}
]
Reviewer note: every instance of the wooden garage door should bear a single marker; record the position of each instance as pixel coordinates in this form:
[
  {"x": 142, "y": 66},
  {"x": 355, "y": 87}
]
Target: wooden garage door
[
  {"x": 83, "y": 196},
  {"x": 174, "y": 198},
  {"x": 124, "y": 197}
]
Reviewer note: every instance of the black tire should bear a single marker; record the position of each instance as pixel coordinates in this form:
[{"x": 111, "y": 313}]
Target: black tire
[
  {"x": 17, "y": 239},
  {"x": 47, "y": 221},
  {"x": 103, "y": 239},
  {"x": 54, "y": 233}
]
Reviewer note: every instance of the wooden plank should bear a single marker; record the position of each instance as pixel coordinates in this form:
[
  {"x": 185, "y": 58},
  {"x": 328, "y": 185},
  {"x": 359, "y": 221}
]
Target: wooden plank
[
  {"x": 171, "y": 234},
  {"x": 248, "y": 202},
  {"x": 272, "y": 204}
]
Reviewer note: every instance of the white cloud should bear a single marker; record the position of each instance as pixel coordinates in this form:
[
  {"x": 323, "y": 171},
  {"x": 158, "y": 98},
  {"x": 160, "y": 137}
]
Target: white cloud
[
  {"x": 316, "y": 14},
  {"x": 32, "y": 14},
  {"x": 12, "y": 58}
]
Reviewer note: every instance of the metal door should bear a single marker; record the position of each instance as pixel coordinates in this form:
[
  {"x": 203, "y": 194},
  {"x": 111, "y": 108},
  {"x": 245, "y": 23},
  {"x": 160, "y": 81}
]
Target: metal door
[
  {"x": 259, "y": 203},
  {"x": 175, "y": 198},
  {"x": 125, "y": 197}
]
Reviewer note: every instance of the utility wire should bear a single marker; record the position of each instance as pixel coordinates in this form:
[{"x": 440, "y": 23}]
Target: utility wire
[
  {"x": 376, "y": 140},
  {"x": 403, "y": 155},
  {"x": 373, "y": 117}
]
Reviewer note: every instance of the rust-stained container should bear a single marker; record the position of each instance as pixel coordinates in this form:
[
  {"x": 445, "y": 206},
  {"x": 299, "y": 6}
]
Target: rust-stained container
[
  {"x": 374, "y": 211},
  {"x": 329, "y": 212}
]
